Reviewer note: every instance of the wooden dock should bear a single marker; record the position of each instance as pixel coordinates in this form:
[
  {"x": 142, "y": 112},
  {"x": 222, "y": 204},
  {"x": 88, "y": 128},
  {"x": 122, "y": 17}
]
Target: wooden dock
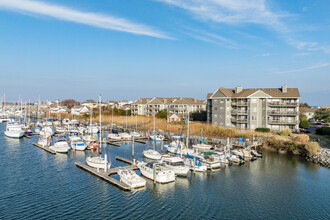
[
  {"x": 107, "y": 176},
  {"x": 104, "y": 176},
  {"x": 114, "y": 143},
  {"x": 44, "y": 148},
  {"x": 124, "y": 160}
]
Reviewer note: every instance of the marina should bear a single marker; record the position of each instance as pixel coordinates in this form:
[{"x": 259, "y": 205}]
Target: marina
[{"x": 212, "y": 193}]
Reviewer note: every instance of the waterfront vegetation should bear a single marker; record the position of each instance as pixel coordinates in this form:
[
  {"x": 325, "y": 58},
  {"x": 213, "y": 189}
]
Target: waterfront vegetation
[
  {"x": 323, "y": 140},
  {"x": 284, "y": 141}
]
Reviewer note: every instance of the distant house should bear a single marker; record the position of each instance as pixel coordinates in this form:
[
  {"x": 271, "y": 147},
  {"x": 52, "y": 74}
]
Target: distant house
[
  {"x": 309, "y": 112},
  {"x": 80, "y": 110},
  {"x": 121, "y": 103},
  {"x": 90, "y": 103},
  {"x": 59, "y": 109},
  {"x": 173, "y": 118}
]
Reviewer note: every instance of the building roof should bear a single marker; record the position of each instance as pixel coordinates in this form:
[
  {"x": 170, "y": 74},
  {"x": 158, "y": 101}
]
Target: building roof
[
  {"x": 273, "y": 92},
  {"x": 89, "y": 101},
  {"x": 159, "y": 100},
  {"x": 305, "y": 109}
]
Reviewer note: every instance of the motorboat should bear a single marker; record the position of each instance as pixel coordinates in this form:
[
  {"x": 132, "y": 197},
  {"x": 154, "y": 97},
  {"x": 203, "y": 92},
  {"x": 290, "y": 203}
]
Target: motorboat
[
  {"x": 202, "y": 146},
  {"x": 157, "y": 137},
  {"x": 156, "y": 171},
  {"x": 92, "y": 129},
  {"x": 113, "y": 136},
  {"x": 175, "y": 148},
  {"x": 125, "y": 136},
  {"x": 152, "y": 154},
  {"x": 210, "y": 160},
  {"x": 130, "y": 178},
  {"x": 60, "y": 129},
  {"x": 135, "y": 134},
  {"x": 176, "y": 164},
  {"x": 256, "y": 153},
  {"x": 97, "y": 162},
  {"x": 198, "y": 167},
  {"x": 61, "y": 145},
  {"x": 14, "y": 130},
  {"x": 238, "y": 153},
  {"x": 77, "y": 142}
]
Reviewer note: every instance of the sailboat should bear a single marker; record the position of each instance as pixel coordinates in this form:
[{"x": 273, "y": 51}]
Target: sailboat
[{"x": 99, "y": 162}]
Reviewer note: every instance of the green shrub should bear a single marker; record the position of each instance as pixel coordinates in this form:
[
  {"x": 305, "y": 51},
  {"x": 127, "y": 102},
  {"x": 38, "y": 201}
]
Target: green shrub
[
  {"x": 263, "y": 129},
  {"x": 286, "y": 132},
  {"x": 313, "y": 148},
  {"x": 323, "y": 131},
  {"x": 304, "y": 124}
]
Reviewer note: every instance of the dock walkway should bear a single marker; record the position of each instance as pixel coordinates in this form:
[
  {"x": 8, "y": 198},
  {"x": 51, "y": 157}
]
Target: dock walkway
[
  {"x": 44, "y": 148},
  {"x": 107, "y": 175}
]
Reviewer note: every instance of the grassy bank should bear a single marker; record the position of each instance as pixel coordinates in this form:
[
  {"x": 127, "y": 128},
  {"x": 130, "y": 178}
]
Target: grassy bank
[{"x": 324, "y": 140}]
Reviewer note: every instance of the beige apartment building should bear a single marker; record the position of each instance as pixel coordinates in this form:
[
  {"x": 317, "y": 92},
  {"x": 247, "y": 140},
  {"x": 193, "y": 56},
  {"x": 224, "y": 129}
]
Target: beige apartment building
[
  {"x": 178, "y": 106},
  {"x": 274, "y": 108}
]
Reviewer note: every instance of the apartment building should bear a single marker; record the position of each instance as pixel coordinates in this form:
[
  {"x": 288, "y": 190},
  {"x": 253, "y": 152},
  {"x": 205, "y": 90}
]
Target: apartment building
[
  {"x": 178, "y": 106},
  {"x": 274, "y": 108}
]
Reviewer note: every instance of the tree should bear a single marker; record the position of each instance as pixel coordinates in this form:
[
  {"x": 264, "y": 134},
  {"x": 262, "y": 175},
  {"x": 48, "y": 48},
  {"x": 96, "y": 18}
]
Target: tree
[
  {"x": 199, "y": 116},
  {"x": 304, "y": 105},
  {"x": 322, "y": 114},
  {"x": 302, "y": 117},
  {"x": 70, "y": 103},
  {"x": 304, "y": 124},
  {"x": 162, "y": 114}
]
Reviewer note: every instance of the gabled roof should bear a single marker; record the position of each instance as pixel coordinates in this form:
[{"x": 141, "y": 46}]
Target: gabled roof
[
  {"x": 178, "y": 101},
  {"x": 273, "y": 92}
]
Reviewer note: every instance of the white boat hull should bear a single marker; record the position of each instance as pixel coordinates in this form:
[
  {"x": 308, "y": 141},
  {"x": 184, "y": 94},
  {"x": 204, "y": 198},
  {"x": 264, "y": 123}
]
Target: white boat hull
[
  {"x": 152, "y": 154},
  {"x": 97, "y": 162},
  {"x": 14, "y": 134}
]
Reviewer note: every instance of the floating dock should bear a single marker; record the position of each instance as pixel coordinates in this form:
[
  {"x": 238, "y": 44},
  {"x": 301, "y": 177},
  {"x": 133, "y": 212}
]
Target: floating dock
[
  {"x": 44, "y": 148},
  {"x": 107, "y": 175}
]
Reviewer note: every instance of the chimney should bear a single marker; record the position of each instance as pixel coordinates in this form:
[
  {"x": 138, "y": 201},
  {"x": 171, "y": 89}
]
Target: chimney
[
  {"x": 284, "y": 89},
  {"x": 238, "y": 89},
  {"x": 195, "y": 100},
  {"x": 165, "y": 101}
]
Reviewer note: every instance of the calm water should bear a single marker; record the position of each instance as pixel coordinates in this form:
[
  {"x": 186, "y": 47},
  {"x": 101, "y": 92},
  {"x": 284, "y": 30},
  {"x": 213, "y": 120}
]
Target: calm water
[{"x": 38, "y": 185}]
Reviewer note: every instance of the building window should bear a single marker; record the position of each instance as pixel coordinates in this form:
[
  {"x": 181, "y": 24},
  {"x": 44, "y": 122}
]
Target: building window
[
  {"x": 221, "y": 101},
  {"x": 215, "y": 108},
  {"x": 221, "y": 108}
]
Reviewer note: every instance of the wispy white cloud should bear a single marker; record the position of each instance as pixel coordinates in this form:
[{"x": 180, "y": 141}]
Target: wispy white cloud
[
  {"x": 267, "y": 54},
  {"x": 231, "y": 11},
  {"x": 305, "y": 68},
  {"x": 304, "y": 9},
  {"x": 210, "y": 37},
  {"x": 302, "y": 54},
  {"x": 87, "y": 18}
]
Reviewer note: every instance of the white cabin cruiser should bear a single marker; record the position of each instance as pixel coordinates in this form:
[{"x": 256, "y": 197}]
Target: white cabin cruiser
[
  {"x": 157, "y": 137},
  {"x": 113, "y": 136},
  {"x": 14, "y": 130},
  {"x": 61, "y": 145},
  {"x": 77, "y": 143},
  {"x": 198, "y": 167},
  {"x": 97, "y": 162},
  {"x": 152, "y": 154},
  {"x": 202, "y": 146},
  {"x": 156, "y": 171},
  {"x": 130, "y": 178},
  {"x": 176, "y": 164}
]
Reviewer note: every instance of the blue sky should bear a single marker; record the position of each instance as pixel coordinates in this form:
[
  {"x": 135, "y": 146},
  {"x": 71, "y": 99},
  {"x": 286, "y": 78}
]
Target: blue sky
[{"x": 125, "y": 49}]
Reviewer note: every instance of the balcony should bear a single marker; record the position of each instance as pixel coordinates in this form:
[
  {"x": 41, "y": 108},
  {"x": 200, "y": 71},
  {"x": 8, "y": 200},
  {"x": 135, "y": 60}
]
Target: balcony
[
  {"x": 239, "y": 103},
  {"x": 282, "y": 122},
  {"x": 239, "y": 120},
  {"x": 235, "y": 112},
  {"x": 282, "y": 113},
  {"x": 283, "y": 104}
]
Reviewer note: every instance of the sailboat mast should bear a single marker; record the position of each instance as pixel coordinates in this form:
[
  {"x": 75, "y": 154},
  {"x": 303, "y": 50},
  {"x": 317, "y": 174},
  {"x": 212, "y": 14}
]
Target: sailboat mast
[{"x": 187, "y": 139}]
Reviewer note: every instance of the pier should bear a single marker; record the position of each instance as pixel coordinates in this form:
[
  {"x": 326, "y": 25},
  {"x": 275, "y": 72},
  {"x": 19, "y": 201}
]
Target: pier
[
  {"x": 107, "y": 175},
  {"x": 44, "y": 148}
]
